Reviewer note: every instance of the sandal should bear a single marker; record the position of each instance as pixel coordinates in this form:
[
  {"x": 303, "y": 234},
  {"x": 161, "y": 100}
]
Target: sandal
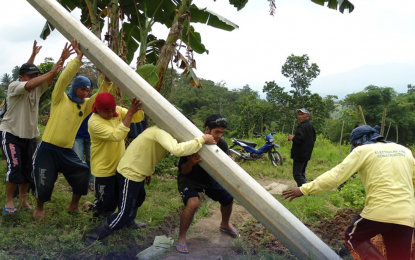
[
  {"x": 233, "y": 233},
  {"x": 184, "y": 251}
]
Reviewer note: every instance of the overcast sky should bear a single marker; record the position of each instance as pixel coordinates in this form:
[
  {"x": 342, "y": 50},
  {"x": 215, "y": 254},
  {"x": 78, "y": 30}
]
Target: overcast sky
[{"x": 376, "y": 32}]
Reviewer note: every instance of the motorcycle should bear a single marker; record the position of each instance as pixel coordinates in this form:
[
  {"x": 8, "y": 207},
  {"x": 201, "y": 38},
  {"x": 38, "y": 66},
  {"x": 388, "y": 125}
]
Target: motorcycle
[{"x": 248, "y": 151}]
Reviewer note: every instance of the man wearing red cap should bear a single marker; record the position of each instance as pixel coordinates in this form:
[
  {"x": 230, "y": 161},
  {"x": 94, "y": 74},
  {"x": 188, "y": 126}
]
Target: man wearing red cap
[
  {"x": 108, "y": 127},
  {"x": 19, "y": 127},
  {"x": 54, "y": 154}
]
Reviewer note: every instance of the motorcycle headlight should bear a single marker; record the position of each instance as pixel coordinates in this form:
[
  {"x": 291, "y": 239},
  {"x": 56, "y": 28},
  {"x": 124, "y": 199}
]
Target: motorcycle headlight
[{"x": 271, "y": 140}]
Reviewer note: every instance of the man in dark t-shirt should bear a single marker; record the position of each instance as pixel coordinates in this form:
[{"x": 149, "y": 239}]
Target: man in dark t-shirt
[{"x": 192, "y": 178}]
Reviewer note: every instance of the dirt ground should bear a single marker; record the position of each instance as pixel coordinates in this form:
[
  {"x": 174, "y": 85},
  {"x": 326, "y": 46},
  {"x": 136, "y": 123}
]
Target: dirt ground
[{"x": 205, "y": 241}]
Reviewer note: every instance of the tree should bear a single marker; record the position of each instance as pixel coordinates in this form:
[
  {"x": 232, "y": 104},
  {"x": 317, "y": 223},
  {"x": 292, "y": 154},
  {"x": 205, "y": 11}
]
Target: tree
[
  {"x": 15, "y": 72},
  {"x": 300, "y": 74},
  {"x": 373, "y": 100},
  {"x": 136, "y": 18},
  {"x": 330, "y": 105},
  {"x": 6, "y": 79}
]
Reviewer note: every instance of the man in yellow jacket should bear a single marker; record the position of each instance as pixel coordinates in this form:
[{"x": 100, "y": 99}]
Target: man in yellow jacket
[
  {"x": 54, "y": 154},
  {"x": 108, "y": 127},
  {"x": 387, "y": 171},
  {"x": 136, "y": 168}
]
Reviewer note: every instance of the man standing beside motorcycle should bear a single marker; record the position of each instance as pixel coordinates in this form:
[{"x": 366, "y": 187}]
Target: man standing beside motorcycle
[
  {"x": 192, "y": 179},
  {"x": 303, "y": 144}
]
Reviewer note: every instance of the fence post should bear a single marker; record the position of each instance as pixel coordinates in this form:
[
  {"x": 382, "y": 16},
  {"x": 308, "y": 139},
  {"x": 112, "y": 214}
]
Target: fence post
[
  {"x": 382, "y": 130},
  {"x": 341, "y": 139},
  {"x": 386, "y": 138}
]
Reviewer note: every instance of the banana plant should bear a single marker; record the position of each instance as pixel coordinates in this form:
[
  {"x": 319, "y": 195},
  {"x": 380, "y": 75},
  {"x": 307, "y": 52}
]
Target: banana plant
[
  {"x": 136, "y": 19},
  {"x": 333, "y": 4}
]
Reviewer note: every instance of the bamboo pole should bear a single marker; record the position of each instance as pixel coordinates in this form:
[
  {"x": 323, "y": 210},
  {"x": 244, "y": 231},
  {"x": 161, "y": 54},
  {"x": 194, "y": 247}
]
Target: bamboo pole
[
  {"x": 303, "y": 243},
  {"x": 341, "y": 139},
  {"x": 324, "y": 134},
  {"x": 292, "y": 131},
  {"x": 382, "y": 130},
  {"x": 396, "y": 134},
  {"x": 361, "y": 113},
  {"x": 386, "y": 137}
]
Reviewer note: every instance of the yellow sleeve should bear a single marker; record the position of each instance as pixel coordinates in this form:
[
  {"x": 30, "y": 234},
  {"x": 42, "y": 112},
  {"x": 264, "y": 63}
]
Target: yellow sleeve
[
  {"x": 105, "y": 86},
  {"x": 336, "y": 176},
  {"x": 178, "y": 149},
  {"x": 137, "y": 117},
  {"x": 64, "y": 79},
  {"x": 99, "y": 129},
  {"x": 413, "y": 174}
]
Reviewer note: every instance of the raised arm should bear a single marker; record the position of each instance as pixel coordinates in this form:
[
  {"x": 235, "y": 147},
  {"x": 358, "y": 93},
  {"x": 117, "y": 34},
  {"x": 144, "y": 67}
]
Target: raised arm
[
  {"x": 132, "y": 112},
  {"x": 104, "y": 86},
  {"x": 69, "y": 72},
  {"x": 48, "y": 77},
  {"x": 75, "y": 44},
  {"x": 35, "y": 51}
]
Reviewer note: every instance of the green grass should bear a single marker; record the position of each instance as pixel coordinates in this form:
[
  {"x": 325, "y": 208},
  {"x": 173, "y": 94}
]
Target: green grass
[{"x": 60, "y": 235}]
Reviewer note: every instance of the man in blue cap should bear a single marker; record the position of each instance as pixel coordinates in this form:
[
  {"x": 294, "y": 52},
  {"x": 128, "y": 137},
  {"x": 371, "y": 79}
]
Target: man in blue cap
[
  {"x": 387, "y": 171},
  {"x": 303, "y": 144}
]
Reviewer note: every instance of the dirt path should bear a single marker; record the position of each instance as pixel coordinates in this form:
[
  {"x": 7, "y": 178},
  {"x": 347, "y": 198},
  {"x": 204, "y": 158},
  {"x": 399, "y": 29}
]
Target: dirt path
[{"x": 206, "y": 241}]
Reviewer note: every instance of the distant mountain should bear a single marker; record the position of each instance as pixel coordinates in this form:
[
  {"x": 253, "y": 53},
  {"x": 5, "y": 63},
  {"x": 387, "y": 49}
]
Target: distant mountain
[{"x": 397, "y": 76}]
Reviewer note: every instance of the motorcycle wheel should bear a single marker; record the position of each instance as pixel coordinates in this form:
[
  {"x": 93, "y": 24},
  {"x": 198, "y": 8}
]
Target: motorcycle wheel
[
  {"x": 235, "y": 155},
  {"x": 275, "y": 157}
]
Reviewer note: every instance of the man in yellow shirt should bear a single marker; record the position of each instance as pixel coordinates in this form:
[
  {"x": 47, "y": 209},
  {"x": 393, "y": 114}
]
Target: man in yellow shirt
[
  {"x": 387, "y": 171},
  {"x": 108, "y": 127},
  {"x": 135, "y": 168},
  {"x": 54, "y": 154}
]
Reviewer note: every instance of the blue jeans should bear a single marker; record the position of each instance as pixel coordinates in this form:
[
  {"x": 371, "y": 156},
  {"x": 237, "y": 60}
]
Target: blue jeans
[{"x": 79, "y": 146}]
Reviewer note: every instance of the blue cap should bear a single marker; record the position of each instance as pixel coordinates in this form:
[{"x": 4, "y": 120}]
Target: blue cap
[{"x": 81, "y": 82}]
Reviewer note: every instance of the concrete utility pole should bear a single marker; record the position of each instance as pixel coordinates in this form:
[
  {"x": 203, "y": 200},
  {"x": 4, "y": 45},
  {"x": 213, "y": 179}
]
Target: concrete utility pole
[{"x": 263, "y": 206}]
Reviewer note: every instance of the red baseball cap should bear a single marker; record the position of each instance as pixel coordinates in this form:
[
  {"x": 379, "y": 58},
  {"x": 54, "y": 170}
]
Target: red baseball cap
[{"x": 105, "y": 102}]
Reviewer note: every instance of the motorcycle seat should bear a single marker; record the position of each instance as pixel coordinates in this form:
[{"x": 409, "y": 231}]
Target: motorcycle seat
[{"x": 250, "y": 144}]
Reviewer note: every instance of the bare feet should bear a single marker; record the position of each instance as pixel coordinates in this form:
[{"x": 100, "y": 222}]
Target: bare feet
[
  {"x": 72, "y": 208},
  {"x": 39, "y": 214},
  {"x": 25, "y": 205}
]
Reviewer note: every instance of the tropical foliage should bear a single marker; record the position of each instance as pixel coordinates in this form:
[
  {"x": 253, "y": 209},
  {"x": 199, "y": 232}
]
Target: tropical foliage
[
  {"x": 6, "y": 79},
  {"x": 130, "y": 30}
]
